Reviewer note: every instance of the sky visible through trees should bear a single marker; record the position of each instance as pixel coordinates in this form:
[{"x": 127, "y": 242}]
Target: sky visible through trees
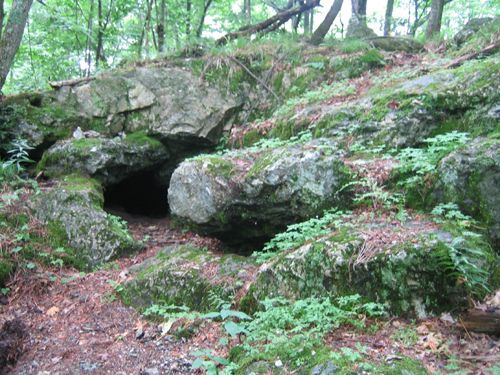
[{"x": 66, "y": 39}]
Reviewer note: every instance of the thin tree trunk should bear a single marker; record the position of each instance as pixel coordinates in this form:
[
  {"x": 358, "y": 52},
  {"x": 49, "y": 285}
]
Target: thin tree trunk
[
  {"x": 88, "y": 45},
  {"x": 146, "y": 27},
  {"x": 202, "y": 18},
  {"x": 188, "y": 18},
  {"x": 2, "y": 16},
  {"x": 306, "y": 22},
  {"x": 323, "y": 28},
  {"x": 160, "y": 26},
  {"x": 100, "y": 33},
  {"x": 311, "y": 23},
  {"x": 11, "y": 38},
  {"x": 388, "y": 17},
  {"x": 434, "y": 24},
  {"x": 77, "y": 40},
  {"x": 247, "y": 10}
]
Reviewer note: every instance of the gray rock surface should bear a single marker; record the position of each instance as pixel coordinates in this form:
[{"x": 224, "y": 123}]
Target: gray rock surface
[
  {"x": 248, "y": 197},
  {"x": 471, "y": 178},
  {"x": 184, "y": 276},
  {"x": 93, "y": 236},
  {"x": 107, "y": 160},
  {"x": 395, "y": 265},
  {"x": 470, "y": 29}
]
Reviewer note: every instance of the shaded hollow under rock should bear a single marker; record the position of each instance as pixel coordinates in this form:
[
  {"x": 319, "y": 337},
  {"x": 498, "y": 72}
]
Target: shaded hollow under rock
[
  {"x": 12, "y": 337},
  {"x": 141, "y": 194}
]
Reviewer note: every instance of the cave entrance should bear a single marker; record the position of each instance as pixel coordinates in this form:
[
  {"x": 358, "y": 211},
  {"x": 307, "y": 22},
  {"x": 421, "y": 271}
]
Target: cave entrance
[{"x": 143, "y": 194}]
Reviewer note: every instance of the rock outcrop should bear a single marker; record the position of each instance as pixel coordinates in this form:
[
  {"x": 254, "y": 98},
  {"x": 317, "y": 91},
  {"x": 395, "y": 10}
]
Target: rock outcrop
[
  {"x": 396, "y": 265},
  {"x": 107, "y": 160},
  {"x": 470, "y": 29},
  {"x": 246, "y": 198},
  {"x": 470, "y": 178},
  {"x": 75, "y": 205},
  {"x": 182, "y": 275}
]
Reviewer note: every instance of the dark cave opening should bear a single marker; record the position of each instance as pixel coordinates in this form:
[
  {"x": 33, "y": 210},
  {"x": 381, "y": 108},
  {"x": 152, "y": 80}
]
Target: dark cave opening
[{"x": 141, "y": 194}]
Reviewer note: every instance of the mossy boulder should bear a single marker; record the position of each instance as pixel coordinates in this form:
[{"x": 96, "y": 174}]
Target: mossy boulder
[
  {"x": 472, "y": 27},
  {"x": 184, "y": 275},
  {"x": 398, "y": 266},
  {"x": 244, "y": 199},
  {"x": 107, "y": 160},
  {"x": 404, "y": 115},
  {"x": 470, "y": 178},
  {"x": 393, "y": 43},
  {"x": 75, "y": 204}
]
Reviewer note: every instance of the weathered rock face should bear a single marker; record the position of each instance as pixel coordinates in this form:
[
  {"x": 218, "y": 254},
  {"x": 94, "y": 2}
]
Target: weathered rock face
[
  {"x": 471, "y": 178},
  {"x": 463, "y": 98},
  {"x": 107, "y": 160},
  {"x": 168, "y": 103},
  {"x": 252, "y": 196},
  {"x": 395, "y": 265},
  {"x": 388, "y": 43},
  {"x": 184, "y": 276},
  {"x": 470, "y": 29},
  {"x": 93, "y": 236}
]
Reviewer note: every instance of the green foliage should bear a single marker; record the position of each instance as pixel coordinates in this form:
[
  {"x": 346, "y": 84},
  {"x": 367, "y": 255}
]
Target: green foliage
[
  {"x": 406, "y": 336},
  {"x": 169, "y": 312},
  {"x": 417, "y": 165},
  {"x": 466, "y": 264},
  {"x": 297, "y": 234},
  {"x": 297, "y": 325},
  {"x": 14, "y": 166}
]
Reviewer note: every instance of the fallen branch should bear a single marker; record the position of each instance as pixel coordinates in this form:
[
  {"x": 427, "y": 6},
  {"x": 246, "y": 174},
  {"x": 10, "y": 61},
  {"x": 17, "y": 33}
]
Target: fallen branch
[
  {"x": 278, "y": 19},
  {"x": 70, "y": 82},
  {"x": 257, "y": 78},
  {"x": 485, "y": 51}
]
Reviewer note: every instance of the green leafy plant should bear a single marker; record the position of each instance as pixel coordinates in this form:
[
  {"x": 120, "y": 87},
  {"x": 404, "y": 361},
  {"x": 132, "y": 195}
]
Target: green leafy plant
[
  {"x": 465, "y": 264},
  {"x": 18, "y": 158},
  {"x": 170, "y": 312},
  {"x": 417, "y": 165},
  {"x": 291, "y": 325},
  {"x": 297, "y": 234}
]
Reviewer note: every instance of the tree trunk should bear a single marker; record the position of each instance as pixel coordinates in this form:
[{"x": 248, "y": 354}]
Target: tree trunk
[
  {"x": 89, "y": 38},
  {"x": 202, "y": 18},
  {"x": 100, "y": 33},
  {"x": 434, "y": 24},
  {"x": 11, "y": 38},
  {"x": 146, "y": 26},
  {"x": 359, "y": 9},
  {"x": 247, "y": 10},
  {"x": 160, "y": 26},
  {"x": 323, "y": 28},
  {"x": 311, "y": 22},
  {"x": 306, "y": 22},
  {"x": 2, "y": 16},
  {"x": 188, "y": 18},
  {"x": 388, "y": 17}
]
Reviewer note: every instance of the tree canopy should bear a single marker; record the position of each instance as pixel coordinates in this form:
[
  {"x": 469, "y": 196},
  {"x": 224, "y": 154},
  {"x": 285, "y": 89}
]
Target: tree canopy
[{"x": 65, "y": 39}]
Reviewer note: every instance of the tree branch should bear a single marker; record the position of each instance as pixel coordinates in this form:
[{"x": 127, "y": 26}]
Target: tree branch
[{"x": 279, "y": 18}]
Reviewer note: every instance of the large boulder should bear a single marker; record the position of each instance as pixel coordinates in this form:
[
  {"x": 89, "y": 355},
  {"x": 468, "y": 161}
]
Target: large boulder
[
  {"x": 470, "y": 29},
  {"x": 245, "y": 199},
  {"x": 75, "y": 205},
  {"x": 107, "y": 160},
  {"x": 183, "y": 275},
  {"x": 402, "y": 266},
  {"x": 171, "y": 104},
  {"x": 470, "y": 178}
]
